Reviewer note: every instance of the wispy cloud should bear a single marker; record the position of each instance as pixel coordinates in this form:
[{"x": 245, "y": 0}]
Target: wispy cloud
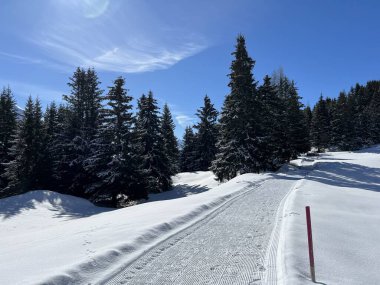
[
  {"x": 185, "y": 120},
  {"x": 96, "y": 33},
  {"x": 22, "y": 59}
]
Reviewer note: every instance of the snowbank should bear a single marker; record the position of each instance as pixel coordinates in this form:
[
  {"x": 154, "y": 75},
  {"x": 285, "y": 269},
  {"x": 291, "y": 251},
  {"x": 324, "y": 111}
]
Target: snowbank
[
  {"x": 343, "y": 192},
  {"x": 59, "y": 239}
]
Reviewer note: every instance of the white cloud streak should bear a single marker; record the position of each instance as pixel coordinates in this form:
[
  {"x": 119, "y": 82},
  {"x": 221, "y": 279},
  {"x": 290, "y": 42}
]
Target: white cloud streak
[
  {"x": 112, "y": 39},
  {"x": 184, "y": 120},
  {"x": 21, "y": 59}
]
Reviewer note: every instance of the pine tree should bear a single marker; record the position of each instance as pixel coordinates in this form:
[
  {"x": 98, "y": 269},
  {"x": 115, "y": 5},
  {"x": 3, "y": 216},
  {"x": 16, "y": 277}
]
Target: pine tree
[
  {"x": 308, "y": 118},
  {"x": 155, "y": 165},
  {"x": 51, "y": 128},
  {"x": 113, "y": 159},
  {"x": 169, "y": 139},
  {"x": 340, "y": 124},
  {"x": 82, "y": 120},
  {"x": 8, "y": 126},
  {"x": 373, "y": 111},
  {"x": 297, "y": 134},
  {"x": 187, "y": 159},
  {"x": 207, "y": 135},
  {"x": 320, "y": 128},
  {"x": 238, "y": 138},
  {"x": 26, "y": 171},
  {"x": 272, "y": 142}
]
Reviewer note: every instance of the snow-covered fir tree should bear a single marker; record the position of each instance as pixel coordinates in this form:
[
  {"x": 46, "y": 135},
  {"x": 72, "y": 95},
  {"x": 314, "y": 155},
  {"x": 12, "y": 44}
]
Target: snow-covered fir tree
[
  {"x": 8, "y": 125},
  {"x": 169, "y": 139},
  {"x": 207, "y": 135},
  {"x": 154, "y": 163},
  {"x": 320, "y": 125},
  {"x": 297, "y": 133},
  {"x": 113, "y": 160},
  {"x": 26, "y": 170},
  {"x": 238, "y": 142},
  {"x": 187, "y": 155},
  {"x": 272, "y": 120},
  {"x": 83, "y": 106}
]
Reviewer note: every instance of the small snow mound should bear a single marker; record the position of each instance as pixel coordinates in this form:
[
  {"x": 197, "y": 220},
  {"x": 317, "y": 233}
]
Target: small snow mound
[{"x": 59, "y": 204}]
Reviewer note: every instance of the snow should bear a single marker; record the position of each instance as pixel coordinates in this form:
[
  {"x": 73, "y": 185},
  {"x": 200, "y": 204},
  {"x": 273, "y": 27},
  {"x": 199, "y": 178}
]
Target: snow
[
  {"x": 250, "y": 229},
  {"x": 48, "y": 237},
  {"x": 343, "y": 193}
]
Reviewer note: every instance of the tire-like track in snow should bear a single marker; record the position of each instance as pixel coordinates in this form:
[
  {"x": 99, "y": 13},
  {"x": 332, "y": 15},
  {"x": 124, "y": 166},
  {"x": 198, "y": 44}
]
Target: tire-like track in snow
[{"x": 229, "y": 246}]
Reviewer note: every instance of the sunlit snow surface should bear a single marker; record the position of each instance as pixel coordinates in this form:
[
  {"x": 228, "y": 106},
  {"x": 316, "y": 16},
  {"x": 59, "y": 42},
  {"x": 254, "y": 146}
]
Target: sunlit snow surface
[{"x": 52, "y": 238}]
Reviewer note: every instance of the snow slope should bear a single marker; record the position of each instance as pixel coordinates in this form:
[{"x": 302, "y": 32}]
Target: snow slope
[
  {"x": 343, "y": 192},
  {"x": 58, "y": 239}
]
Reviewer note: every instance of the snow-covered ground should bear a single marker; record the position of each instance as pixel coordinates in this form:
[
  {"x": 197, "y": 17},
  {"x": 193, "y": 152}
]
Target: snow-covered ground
[
  {"x": 47, "y": 237},
  {"x": 250, "y": 229},
  {"x": 343, "y": 192}
]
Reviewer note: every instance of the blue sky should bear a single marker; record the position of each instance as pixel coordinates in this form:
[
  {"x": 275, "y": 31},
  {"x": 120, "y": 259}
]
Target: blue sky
[{"x": 181, "y": 50}]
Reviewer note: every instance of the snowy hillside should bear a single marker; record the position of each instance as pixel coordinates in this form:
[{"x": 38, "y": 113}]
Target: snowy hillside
[
  {"x": 250, "y": 229},
  {"x": 343, "y": 192},
  {"x": 49, "y": 236}
]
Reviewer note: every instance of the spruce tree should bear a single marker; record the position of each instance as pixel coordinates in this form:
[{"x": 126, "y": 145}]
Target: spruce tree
[
  {"x": 113, "y": 161},
  {"x": 273, "y": 139},
  {"x": 82, "y": 120},
  {"x": 51, "y": 128},
  {"x": 27, "y": 170},
  {"x": 373, "y": 88},
  {"x": 238, "y": 138},
  {"x": 8, "y": 126},
  {"x": 169, "y": 139},
  {"x": 320, "y": 127},
  {"x": 297, "y": 134},
  {"x": 308, "y": 118},
  {"x": 207, "y": 135},
  {"x": 340, "y": 124},
  {"x": 187, "y": 159},
  {"x": 154, "y": 163}
]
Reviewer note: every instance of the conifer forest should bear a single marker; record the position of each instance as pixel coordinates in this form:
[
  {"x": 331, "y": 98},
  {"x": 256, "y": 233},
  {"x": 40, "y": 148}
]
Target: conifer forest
[{"x": 98, "y": 146}]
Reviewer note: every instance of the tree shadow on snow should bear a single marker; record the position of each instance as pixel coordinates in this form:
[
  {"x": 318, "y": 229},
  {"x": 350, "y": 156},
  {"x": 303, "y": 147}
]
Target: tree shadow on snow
[
  {"x": 343, "y": 174},
  {"x": 373, "y": 149},
  {"x": 63, "y": 206},
  {"x": 178, "y": 191}
]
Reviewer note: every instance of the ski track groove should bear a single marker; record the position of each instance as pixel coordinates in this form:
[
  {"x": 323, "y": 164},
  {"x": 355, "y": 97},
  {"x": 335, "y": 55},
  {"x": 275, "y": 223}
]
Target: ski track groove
[{"x": 234, "y": 244}]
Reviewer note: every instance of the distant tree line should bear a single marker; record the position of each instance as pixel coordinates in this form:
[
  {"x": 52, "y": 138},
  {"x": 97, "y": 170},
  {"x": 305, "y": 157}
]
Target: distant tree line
[{"x": 96, "y": 146}]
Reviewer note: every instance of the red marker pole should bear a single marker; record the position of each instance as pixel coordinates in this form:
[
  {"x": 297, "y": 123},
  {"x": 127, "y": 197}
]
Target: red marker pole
[{"x": 310, "y": 242}]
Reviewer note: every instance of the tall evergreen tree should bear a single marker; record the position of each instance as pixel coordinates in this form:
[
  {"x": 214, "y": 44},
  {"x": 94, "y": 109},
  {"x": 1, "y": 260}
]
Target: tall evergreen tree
[
  {"x": 373, "y": 111},
  {"x": 26, "y": 171},
  {"x": 340, "y": 124},
  {"x": 298, "y": 139},
  {"x": 308, "y": 117},
  {"x": 272, "y": 142},
  {"x": 207, "y": 135},
  {"x": 238, "y": 137},
  {"x": 187, "y": 159},
  {"x": 155, "y": 165},
  {"x": 51, "y": 128},
  {"x": 320, "y": 128},
  {"x": 169, "y": 139},
  {"x": 8, "y": 125},
  {"x": 113, "y": 161},
  {"x": 83, "y": 105}
]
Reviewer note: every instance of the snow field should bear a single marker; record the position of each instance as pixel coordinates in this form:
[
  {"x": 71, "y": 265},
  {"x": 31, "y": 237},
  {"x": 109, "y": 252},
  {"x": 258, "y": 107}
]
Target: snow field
[
  {"x": 50, "y": 240},
  {"x": 343, "y": 192}
]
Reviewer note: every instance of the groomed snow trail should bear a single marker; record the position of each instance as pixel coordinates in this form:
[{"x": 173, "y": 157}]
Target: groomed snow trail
[{"x": 229, "y": 246}]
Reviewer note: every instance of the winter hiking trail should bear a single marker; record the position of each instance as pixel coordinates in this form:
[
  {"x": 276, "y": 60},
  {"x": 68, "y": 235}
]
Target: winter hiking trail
[{"x": 235, "y": 244}]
